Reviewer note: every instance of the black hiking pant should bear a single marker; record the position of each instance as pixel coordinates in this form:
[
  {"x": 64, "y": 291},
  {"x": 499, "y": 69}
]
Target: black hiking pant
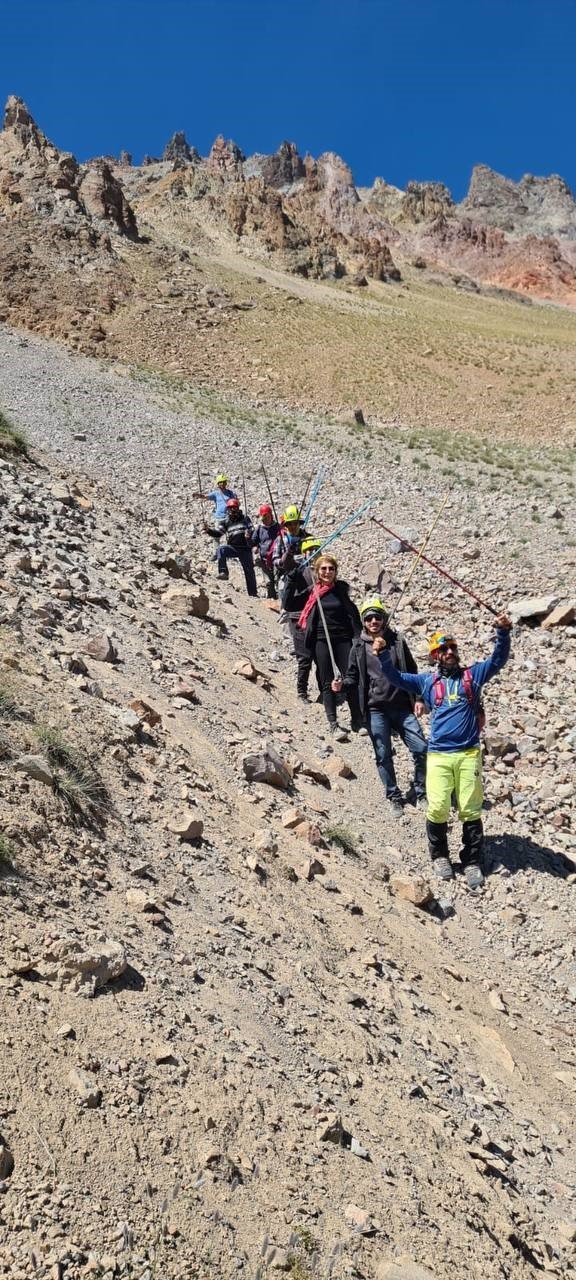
[
  {"x": 302, "y": 655},
  {"x": 326, "y": 675},
  {"x": 472, "y": 841}
]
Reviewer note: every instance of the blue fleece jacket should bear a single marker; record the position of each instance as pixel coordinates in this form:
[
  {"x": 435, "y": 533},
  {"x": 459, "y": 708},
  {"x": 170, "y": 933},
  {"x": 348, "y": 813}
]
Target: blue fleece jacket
[{"x": 454, "y": 724}]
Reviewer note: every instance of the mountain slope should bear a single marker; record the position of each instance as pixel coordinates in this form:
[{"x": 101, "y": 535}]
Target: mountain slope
[{"x": 263, "y": 1016}]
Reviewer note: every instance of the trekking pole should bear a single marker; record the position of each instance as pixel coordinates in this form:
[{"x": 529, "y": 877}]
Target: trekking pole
[
  {"x": 202, "y": 520},
  {"x": 437, "y": 567},
  {"x": 244, "y": 490},
  {"x": 356, "y": 515},
  {"x": 419, "y": 556},
  {"x": 315, "y": 491},
  {"x": 270, "y": 494},
  {"x": 336, "y": 673},
  {"x": 309, "y": 482}
]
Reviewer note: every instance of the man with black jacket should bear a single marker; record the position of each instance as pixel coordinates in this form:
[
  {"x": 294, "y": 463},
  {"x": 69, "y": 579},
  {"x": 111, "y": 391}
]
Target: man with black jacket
[
  {"x": 384, "y": 711},
  {"x": 237, "y": 529}
]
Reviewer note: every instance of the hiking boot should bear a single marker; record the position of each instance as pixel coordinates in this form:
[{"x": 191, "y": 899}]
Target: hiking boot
[
  {"x": 223, "y": 576},
  {"x": 443, "y": 868},
  {"x": 473, "y": 876},
  {"x": 396, "y": 808},
  {"x": 359, "y": 727},
  {"x": 338, "y": 733},
  {"x": 302, "y": 697}
]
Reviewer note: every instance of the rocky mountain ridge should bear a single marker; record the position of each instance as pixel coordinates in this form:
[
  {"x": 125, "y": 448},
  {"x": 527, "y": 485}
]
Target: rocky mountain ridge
[{"x": 277, "y": 276}]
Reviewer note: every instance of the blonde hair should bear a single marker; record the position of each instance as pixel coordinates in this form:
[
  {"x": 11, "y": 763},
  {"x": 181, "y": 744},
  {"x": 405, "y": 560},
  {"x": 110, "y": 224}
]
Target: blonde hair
[{"x": 320, "y": 560}]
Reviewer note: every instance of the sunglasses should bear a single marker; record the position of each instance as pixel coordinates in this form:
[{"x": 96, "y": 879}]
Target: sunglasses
[
  {"x": 373, "y": 617},
  {"x": 447, "y": 644}
]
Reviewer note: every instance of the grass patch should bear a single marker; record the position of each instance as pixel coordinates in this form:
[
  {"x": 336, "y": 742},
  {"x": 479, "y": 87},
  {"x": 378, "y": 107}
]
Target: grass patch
[
  {"x": 344, "y": 838},
  {"x": 76, "y": 780},
  {"x": 12, "y": 441},
  {"x": 6, "y": 853},
  {"x": 10, "y": 708}
]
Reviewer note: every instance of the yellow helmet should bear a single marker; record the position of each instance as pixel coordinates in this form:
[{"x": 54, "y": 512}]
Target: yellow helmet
[
  {"x": 221, "y": 479},
  {"x": 310, "y": 544},
  {"x": 291, "y": 515},
  {"x": 439, "y": 638},
  {"x": 373, "y": 604}
]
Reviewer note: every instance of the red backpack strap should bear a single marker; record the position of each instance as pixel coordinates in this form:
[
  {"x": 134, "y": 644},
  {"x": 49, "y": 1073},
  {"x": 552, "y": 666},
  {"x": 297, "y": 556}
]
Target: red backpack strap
[
  {"x": 439, "y": 690},
  {"x": 468, "y": 685}
]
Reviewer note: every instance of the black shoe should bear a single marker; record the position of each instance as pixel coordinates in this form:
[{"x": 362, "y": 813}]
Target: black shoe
[
  {"x": 224, "y": 576},
  {"x": 303, "y": 697},
  {"x": 396, "y": 808}
]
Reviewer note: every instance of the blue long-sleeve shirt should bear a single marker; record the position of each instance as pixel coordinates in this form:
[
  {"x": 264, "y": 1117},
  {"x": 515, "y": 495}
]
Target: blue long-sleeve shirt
[
  {"x": 220, "y": 497},
  {"x": 454, "y": 724}
]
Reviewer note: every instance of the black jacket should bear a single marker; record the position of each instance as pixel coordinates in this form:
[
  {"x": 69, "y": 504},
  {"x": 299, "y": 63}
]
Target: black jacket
[
  {"x": 294, "y": 598},
  {"x": 357, "y": 675},
  {"x": 235, "y": 526}
]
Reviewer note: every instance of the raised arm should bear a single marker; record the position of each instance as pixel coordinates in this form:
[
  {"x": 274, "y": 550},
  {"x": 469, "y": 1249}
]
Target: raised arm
[
  {"x": 414, "y": 684},
  {"x": 484, "y": 671}
]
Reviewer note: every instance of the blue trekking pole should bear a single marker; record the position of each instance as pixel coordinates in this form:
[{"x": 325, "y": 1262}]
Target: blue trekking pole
[
  {"x": 315, "y": 491},
  {"x": 356, "y": 515}
]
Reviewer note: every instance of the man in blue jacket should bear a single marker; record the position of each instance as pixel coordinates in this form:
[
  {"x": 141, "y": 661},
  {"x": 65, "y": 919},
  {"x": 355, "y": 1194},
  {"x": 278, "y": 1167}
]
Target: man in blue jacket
[{"x": 454, "y": 763}]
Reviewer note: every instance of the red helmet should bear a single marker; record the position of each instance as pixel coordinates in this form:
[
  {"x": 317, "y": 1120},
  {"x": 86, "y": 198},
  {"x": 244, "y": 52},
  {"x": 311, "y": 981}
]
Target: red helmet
[
  {"x": 266, "y": 510},
  {"x": 233, "y": 504}
]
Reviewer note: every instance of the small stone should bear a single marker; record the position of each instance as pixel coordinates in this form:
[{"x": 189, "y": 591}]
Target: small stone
[
  {"x": 146, "y": 714},
  {"x": 561, "y": 616},
  {"x": 337, "y": 767},
  {"x": 308, "y": 831},
  {"x": 101, "y": 649},
  {"x": 403, "y": 1269},
  {"x": 292, "y": 818},
  {"x": 358, "y": 1218},
  {"x": 309, "y": 868},
  {"x": 186, "y": 601},
  {"x": 66, "y": 1032},
  {"x": 86, "y": 1088},
  {"x": 412, "y": 889},
  {"x": 188, "y": 827},
  {"x": 245, "y": 669},
  {"x": 267, "y": 766}
]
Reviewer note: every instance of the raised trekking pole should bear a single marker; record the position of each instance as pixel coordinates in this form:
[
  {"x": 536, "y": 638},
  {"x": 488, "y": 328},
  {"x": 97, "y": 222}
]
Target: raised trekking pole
[
  {"x": 202, "y": 520},
  {"x": 309, "y": 482},
  {"x": 244, "y": 490},
  {"x": 437, "y": 567},
  {"x": 419, "y": 556},
  {"x": 270, "y": 494},
  {"x": 356, "y": 515},
  {"x": 320, "y": 478}
]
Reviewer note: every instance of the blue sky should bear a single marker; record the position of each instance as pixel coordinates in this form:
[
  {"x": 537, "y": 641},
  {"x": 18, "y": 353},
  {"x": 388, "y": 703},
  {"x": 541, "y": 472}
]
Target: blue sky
[{"x": 400, "y": 88}]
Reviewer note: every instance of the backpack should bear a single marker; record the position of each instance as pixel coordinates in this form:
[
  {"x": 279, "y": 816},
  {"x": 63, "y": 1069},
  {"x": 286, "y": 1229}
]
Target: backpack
[{"x": 468, "y": 686}]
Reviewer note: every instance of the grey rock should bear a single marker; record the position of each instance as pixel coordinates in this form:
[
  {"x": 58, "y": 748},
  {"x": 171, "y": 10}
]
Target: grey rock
[{"x": 35, "y": 767}]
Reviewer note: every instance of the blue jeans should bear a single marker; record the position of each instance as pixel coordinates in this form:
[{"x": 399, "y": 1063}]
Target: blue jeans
[
  {"x": 381, "y": 724},
  {"x": 244, "y": 555}
]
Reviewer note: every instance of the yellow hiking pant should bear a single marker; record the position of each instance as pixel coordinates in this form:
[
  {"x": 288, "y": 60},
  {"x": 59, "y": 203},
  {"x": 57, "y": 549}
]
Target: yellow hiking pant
[{"x": 458, "y": 771}]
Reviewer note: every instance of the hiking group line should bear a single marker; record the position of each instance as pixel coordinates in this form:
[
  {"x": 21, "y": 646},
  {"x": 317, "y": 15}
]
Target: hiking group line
[{"x": 360, "y": 659}]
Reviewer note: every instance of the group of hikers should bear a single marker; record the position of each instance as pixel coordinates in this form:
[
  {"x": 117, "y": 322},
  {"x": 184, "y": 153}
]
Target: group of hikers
[{"x": 360, "y": 659}]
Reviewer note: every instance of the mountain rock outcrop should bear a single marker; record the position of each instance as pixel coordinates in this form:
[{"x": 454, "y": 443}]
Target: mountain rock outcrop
[{"x": 533, "y": 206}]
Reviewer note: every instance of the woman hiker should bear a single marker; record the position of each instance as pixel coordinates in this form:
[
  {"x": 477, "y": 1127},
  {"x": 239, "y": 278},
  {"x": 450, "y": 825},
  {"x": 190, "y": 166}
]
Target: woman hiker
[
  {"x": 454, "y": 762},
  {"x": 330, "y": 610},
  {"x": 386, "y": 709}
]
